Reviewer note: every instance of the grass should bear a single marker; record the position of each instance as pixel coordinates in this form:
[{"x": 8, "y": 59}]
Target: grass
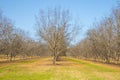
[{"x": 67, "y": 69}]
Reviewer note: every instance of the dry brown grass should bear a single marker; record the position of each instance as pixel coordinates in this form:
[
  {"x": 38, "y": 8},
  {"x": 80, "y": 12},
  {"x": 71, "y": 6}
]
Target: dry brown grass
[{"x": 65, "y": 69}]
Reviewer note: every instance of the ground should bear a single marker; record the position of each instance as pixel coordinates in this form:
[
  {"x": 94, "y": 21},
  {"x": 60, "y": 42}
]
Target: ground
[{"x": 66, "y": 69}]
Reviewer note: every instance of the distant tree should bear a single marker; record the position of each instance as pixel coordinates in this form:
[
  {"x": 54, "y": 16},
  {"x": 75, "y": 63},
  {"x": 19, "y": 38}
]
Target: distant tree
[
  {"x": 116, "y": 21},
  {"x": 6, "y": 29}
]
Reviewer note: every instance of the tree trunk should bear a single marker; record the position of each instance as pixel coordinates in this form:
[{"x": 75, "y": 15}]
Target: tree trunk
[
  {"x": 11, "y": 56},
  {"x": 57, "y": 58},
  {"x": 107, "y": 60},
  {"x": 7, "y": 57},
  {"x": 54, "y": 60}
]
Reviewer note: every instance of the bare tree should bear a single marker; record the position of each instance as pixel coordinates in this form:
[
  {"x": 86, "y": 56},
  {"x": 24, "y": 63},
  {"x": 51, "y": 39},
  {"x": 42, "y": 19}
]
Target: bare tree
[
  {"x": 6, "y": 29},
  {"x": 116, "y": 20},
  {"x": 102, "y": 42},
  {"x": 54, "y": 28}
]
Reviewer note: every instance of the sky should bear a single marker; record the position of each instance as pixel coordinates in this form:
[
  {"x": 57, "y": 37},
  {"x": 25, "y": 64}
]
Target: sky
[{"x": 85, "y": 12}]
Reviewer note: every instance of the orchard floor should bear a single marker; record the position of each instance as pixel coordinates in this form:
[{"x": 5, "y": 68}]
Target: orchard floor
[{"x": 65, "y": 69}]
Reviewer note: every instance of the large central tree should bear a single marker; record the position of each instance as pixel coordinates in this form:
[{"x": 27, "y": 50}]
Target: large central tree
[{"x": 53, "y": 26}]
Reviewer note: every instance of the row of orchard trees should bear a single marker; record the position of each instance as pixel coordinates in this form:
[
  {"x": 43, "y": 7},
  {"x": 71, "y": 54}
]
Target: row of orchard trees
[
  {"x": 54, "y": 28},
  {"x": 102, "y": 42},
  {"x": 14, "y": 42}
]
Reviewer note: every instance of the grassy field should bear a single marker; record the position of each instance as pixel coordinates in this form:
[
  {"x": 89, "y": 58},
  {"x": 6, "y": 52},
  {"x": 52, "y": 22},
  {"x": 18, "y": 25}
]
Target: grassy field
[{"x": 66, "y": 69}]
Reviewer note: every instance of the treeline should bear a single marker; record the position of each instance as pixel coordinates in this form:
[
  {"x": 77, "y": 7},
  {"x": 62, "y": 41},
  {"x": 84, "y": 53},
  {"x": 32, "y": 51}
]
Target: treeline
[
  {"x": 15, "y": 43},
  {"x": 56, "y": 31},
  {"x": 103, "y": 42},
  {"x": 53, "y": 28}
]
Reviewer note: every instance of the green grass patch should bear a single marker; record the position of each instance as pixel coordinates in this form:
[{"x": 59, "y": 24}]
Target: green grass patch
[
  {"x": 100, "y": 68},
  {"x": 75, "y": 70}
]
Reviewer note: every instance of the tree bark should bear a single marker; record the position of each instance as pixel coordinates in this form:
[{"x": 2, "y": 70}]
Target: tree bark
[{"x": 54, "y": 59}]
